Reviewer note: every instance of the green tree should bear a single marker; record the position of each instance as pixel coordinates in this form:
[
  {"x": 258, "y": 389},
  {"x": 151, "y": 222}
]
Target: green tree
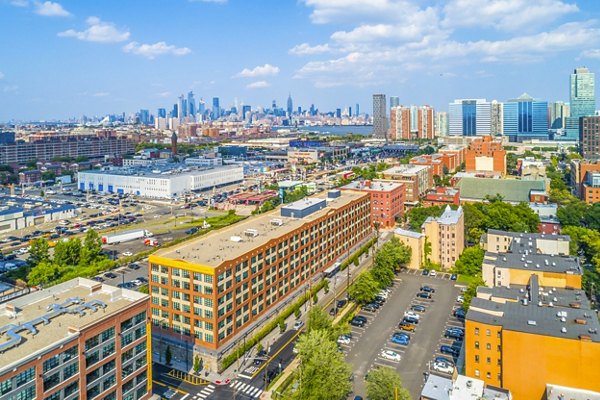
[
  {"x": 364, "y": 289},
  {"x": 42, "y": 273},
  {"x": 427, "y": 250},
  {"x": 417, "y": 215},
  {"x": 197, "y": 364},
  {"x": 38, "y": 251},
  {"x": 67, "y": 253},
  {"x": 471, "y": 291},
  {"x": 318, "y": 320},
  {"x": 323, "y": 373},
  {"x": 315, "y": 298},
  {"x": 383, "y": 383},
  {"x": 591, "y": 219},
  {"x": 297, "y": 312},
  {"x": 573, "y": 213},
  {"x": 48, "y": 176},
  {"x": 91, "y": 249},
  {"x": 470, "y": 261}
]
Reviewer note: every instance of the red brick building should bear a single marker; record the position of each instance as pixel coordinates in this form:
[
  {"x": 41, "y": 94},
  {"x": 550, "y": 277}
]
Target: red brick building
[
  {"x": 387, "y": 200},
  {"x": 486, "y": 155},
  {"x": 442, "y": 196}
]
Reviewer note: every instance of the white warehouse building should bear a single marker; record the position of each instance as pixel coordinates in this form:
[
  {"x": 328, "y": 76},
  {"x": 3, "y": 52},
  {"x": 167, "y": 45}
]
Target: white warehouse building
[{"x": 158, "y": 184}]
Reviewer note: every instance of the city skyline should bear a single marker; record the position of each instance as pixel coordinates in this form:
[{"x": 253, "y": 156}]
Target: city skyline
[{"x": 68, "y": 59}]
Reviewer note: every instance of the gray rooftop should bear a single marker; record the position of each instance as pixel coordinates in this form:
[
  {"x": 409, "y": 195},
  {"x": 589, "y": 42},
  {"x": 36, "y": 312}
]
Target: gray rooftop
[
  {"x": 559, "y": 297},
  {"x": 405, "y": 169},
  {"x": 529, "y": 236},
  {"x": 411, "y": 234},
  {"x": 449, "y": 217},
  {"x": 160, "y": 171},
  {"x": 379, "y": 186},
  {"x": 556, "y": 392},
  {"x": 57, "y": 315},
  {"x": 535, "y": 262}
]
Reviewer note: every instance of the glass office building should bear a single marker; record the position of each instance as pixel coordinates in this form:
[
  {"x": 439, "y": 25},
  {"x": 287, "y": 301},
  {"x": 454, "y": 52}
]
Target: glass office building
[{"x": 526, "y": 118}]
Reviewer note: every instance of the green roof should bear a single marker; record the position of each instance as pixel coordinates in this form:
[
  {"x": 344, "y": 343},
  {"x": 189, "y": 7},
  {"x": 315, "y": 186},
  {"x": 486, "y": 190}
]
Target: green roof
[{"x": 511, "y": 190}]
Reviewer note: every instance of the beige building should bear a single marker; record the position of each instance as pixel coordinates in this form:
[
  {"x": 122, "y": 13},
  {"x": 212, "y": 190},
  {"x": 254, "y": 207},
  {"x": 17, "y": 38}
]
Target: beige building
[
  {"x": 496, "y": 241},
  {"x": 446, "y": 234},
  {"x": 416, "y": 241}
]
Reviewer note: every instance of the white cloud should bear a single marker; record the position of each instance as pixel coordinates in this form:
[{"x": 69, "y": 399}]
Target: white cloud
[
  {"x": 50, "y": 9},
  {"x": 98, "y": 31},
  {"x": 505, "y": 14},
  {"x": 306, "y": 49},
  {"x": 258, "y": 85},
  {"x": 261, "y": 70},
  {"x": 101, "y": 94},
  {"x": 19, "y": 3},
  {"x": 154, "y": 50},
  {"x": 591, "y": 53},
  {"x": 327, "y": 11}
]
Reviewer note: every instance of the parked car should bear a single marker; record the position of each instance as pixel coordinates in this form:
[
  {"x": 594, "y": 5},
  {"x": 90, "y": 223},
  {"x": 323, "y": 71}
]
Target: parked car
[
  {"x": 341, "y": 303},
  {"x": 358, "y": 321},
  {"x": 425, "y": 272},
  {"x": 444, "y": 360},
  {"x": 369, "y": 308},
  {"x": 411, "y": 314},
  {"x": 418, "y": 307},
  {"x": 127, "y": 254},
  {"x": 344, "y": 339},
  {"x": 454, "y": 333},
  {"x": 406, "y": 326},
  {"x": 427, "y": 289},
  {"x": 110, "y": 275},
  {"x": 424, "y": 295},
  {"x": 453, "y": 277},
  {"x": 390, "y": 355},
  {"x": 400, "y": 338},
  {"x": 460, "y": 299},
  {"x": 432, "y": 273},
  {"x": 411, "y": 320},
  {"x": 191, "y": 231},
  {"x": 134, "y": 266},
  {"x": 460, "y": 313},
  {"x": 444, "y": 349},
  {"x": 98, "y": 279},
  {"x": 443, "y": 367}
]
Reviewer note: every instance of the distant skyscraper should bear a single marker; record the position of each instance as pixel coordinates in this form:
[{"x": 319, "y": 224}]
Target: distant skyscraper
[
  {"x": 394, "y": 101},
  {"x": 144, "y": 117},
  {"x": 274, "y": 105},
  {"x": 469, "y": 117},
  {"x": 312, "y": 110},
  {"x": 349, "y": 111},
  {"x": 338, "y": 113},
  {"x": 290, "y": 105},
  {"x": 589, "y": 139},
  {"x": 357, "y": 110},
  {"x": 216, "y": 109},
  {"x": 246, "y": 110},
  {"x": 181, "y": 107},
  {"x": 201, "y": 107},
  {"x": 582, "y": 100},
  {"x": 441, "y": 124},
  {"x": 497, "y": 118},
  {"x": 525, "y": 118},
  {"x": 559, "y": 112},
  {"x": 175, "y": 111},
  {"x": 380, "y": 124},
  {"x": 191, "y": 104},
  {"x": 162, "y": 113}
]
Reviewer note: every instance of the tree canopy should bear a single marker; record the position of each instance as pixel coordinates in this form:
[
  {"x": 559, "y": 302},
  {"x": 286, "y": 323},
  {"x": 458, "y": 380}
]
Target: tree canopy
[
  {"x": 383, "y": 383},
  {"x": 470, "y": 261}
]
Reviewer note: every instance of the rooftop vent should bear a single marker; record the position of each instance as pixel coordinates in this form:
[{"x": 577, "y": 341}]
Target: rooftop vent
[
  {"x": 563, "y": 329},
  {"x": 235, "y": 239},
  {"x": 251, "y": 232},
  {"x": 580, "y": 321},
  {"x": 531, "y": 322},
  {"x": 276, "y": 222}
]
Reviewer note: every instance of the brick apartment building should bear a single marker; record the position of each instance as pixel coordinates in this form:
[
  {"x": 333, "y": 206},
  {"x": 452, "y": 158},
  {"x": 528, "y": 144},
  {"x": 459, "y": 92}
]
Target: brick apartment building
[
  {"x": 585, "y": 180},
  {"x": 442, "y": 196},
  {"x": 418, "y": 179},
  {"x": 387, "y": 200},
  {"x": 486, "y": 156},
  {"x": 411, "y": 123},
  {"x": 210, "y": 290},
  {"x": 589, "y": 137},
  {"x": 77, "y": 340}
]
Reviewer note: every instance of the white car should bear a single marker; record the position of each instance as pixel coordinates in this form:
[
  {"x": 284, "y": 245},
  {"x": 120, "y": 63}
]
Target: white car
[
  {"x": 136, "y": 282},
  {"x": 298, "y": 324},
  {"x": 460, "y": 299},
  {"x": 412, "y": 314},
  {"x": 127, "y": 254},
  {"x": 443, "y": 367},
  {"x": 432, "y": 273},
  {"x": 390, "y": 355},
  {"x": 383, "y": 294},
  {"x": 344, "y": 339}
]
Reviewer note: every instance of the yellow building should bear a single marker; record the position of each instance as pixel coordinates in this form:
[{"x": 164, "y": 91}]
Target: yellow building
[
  {"x": 523, "y": 338},
  {"x": 416, "y": 241},
  {"x": 496, "y": 241},
  {"x": 446, "y": 234}
]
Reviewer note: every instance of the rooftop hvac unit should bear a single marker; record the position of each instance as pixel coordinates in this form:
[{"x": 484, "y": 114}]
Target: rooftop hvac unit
[
  {"x": 235, "y": 239},
  {"x": 276, "y": 222},
  {"x": 251, "y": 232}
]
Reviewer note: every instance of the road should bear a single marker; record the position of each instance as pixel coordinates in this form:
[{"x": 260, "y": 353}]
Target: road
[{"x": 368, "y": 343}]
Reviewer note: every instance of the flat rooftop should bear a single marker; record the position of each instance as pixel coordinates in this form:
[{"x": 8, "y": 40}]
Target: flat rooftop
[
  {"x": 61, "y": 327},
  {"x": 558, "y": 297},
  {"x": 161, "y": 171},
  {"x": 373, "y": 186},
  {"x": 217, "y": 247},
  {"x": 405, "y": 169},
  {"x": 535, "y": 262},
  {"x": 29, "y": 206},
  {"x": 529, "y": 236}
]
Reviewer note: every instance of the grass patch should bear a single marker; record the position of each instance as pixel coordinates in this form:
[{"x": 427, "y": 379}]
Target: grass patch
[{"x": 466, "y": 279}]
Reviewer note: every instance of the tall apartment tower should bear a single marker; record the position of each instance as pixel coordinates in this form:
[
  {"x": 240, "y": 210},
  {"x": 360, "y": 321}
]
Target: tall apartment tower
[
  {"x": 380, "y": 123},
  {"x": 441, "y": 124},
  {"x": 411, "y": 123},
  {"x": 558, "y": 114},
  {"x": 589, "y": 137},
  {"x": 582, "y": 100},
  {"x": 497, "y": 118},
  {"x": 394, "y": 101},
  {"x": 469, "y": 117}
]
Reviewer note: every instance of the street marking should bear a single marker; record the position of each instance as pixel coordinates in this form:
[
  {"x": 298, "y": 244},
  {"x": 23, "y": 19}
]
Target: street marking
[
  {"x": 244, "y": 376},
  {"x": 272, "y": 357}
]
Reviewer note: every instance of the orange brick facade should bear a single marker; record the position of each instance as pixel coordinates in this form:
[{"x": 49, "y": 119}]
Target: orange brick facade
[
  {"x": 486, "y": 155},
  {"x": 386, "y": 205},
  {"x": 400, "y": 124}
]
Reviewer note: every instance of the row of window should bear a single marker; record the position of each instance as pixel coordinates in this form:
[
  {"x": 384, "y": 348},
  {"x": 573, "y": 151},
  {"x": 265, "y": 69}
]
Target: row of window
[{"x": 17, "y": 381}]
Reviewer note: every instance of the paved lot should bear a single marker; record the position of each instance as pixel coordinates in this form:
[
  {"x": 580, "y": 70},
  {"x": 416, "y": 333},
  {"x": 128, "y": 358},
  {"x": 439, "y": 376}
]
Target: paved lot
[{"x": 368, "y": 343}]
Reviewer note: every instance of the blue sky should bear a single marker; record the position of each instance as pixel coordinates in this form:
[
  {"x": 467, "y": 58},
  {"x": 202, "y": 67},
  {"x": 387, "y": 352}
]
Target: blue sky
[{"x": 75, "y": 57}]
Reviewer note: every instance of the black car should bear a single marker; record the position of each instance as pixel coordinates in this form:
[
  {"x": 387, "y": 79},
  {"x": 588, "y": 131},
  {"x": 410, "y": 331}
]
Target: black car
[
  {"x": 425, "y": 272},
  {"x": 427, "y": 289},
  {"x": 134, "y": 266},
  {"x": 454, "y": 333},
  {"x": 98, "y": 279},
  {"x": 453, "y": 277},
  {"x": 424, "y": 295},
  {"x": 341, "y": 303},
  {"x": 459, "y": 313},
  {"x": 410, "y": 320},
  {"x": 359, "y": 321},
  {"x": 110, "y": 275},
  {"x": 369, "y": 307},
  {"x": 191, "y": 231},
  {"x": 142, "y": 279},
  {"x": 418, "y": 307},
  {"x": 379, "y": 299}
]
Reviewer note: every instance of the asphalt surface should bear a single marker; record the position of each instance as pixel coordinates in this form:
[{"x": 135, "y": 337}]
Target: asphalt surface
[{"x": 364, "y": 351}]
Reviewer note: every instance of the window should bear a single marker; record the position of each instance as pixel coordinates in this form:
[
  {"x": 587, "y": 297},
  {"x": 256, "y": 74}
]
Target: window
[
  {"x": 69, "y": 354},
  {"x": 476, "y": 331},
  {"x": 107, "y": 334},
  {"x": 488, "y": 346},
  {"x": 92, "y": 358},
  {"x": 477, "y": 373},
  {"x": 108, "y": 382},
  {"x": 477, "y": 344},
  {"x": 488, "y": 332},
  {"x": 91, "y": 342},
  {"x": 55, "y": 396},
  {"x": 5, "y": 386},
  {"x": 476, "y": 358},
  {"x": 51, "y": 381},
  {"x": 70, "y": 370},
  {"x": 26, "y": 394},
  {"x": 25, "y": 376},
  {"x": 108, "y": 350},
  {"x": 488, "y": 360},
  {"x": 488, "y": 375},
  {"x": 51, "y": 363},
  {"x": 71, "y": 388}
]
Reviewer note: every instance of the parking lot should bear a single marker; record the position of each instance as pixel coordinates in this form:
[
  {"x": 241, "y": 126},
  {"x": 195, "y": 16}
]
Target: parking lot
[{"x": 371, "y": 346}]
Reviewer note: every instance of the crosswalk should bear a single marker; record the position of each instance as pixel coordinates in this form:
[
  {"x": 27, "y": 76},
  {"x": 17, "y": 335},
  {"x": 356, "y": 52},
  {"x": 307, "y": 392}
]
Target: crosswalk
[
  {"x": 204, "y": 393},
  {"x": 248, "y": 390}
]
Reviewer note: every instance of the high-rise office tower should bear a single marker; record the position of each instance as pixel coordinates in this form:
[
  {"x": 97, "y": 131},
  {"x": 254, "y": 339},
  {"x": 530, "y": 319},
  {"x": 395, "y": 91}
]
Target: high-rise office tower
[
  {"x": 394, "y": 101},
  {"x": 162, "y": 113},
  {"x": 338, "y": 113},
  {"x": 558, "y": 113},
  {"x": 175, "y": 111},
  {"x": 357, "y": 110},
  {"x": 181, "y": 107},
  {"x": 216, "y": 109},
  {"x": 313, "y": 112},
  {"x": 201, "y": 107},
  {"x": 290, "y": 105},
  {"x": 274, "y": 105},
  {"x": 469, "y": 117},
  {"x": 191, "y": 104},
  {"x": 589, "y": 139},
  {"x": 350, "y": 111},
  {"x": 246, "y": 110},
  {"x": 380, "y": 124},
  {"x": 582, "y": 100},
  {"x": 497, "y": 118},
  {"x": 441, "y": 124},
  {"x": 144, "y": 117},
  {"x": 526, "y": 118}
]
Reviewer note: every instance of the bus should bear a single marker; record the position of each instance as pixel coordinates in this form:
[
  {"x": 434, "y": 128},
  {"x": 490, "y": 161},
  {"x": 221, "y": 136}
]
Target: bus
[{"x": 331, "y": 271}]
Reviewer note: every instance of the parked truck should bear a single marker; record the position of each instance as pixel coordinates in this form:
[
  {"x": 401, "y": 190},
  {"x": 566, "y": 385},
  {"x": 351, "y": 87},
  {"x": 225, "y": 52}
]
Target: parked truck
[
  {"x": 125, "y": 236},
  {"x": 151, "y": 242}
]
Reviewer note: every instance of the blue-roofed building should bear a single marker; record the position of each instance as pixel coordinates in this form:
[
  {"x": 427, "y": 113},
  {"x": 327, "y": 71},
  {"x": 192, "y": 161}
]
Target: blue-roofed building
[{"x": 18, "y": 213}]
